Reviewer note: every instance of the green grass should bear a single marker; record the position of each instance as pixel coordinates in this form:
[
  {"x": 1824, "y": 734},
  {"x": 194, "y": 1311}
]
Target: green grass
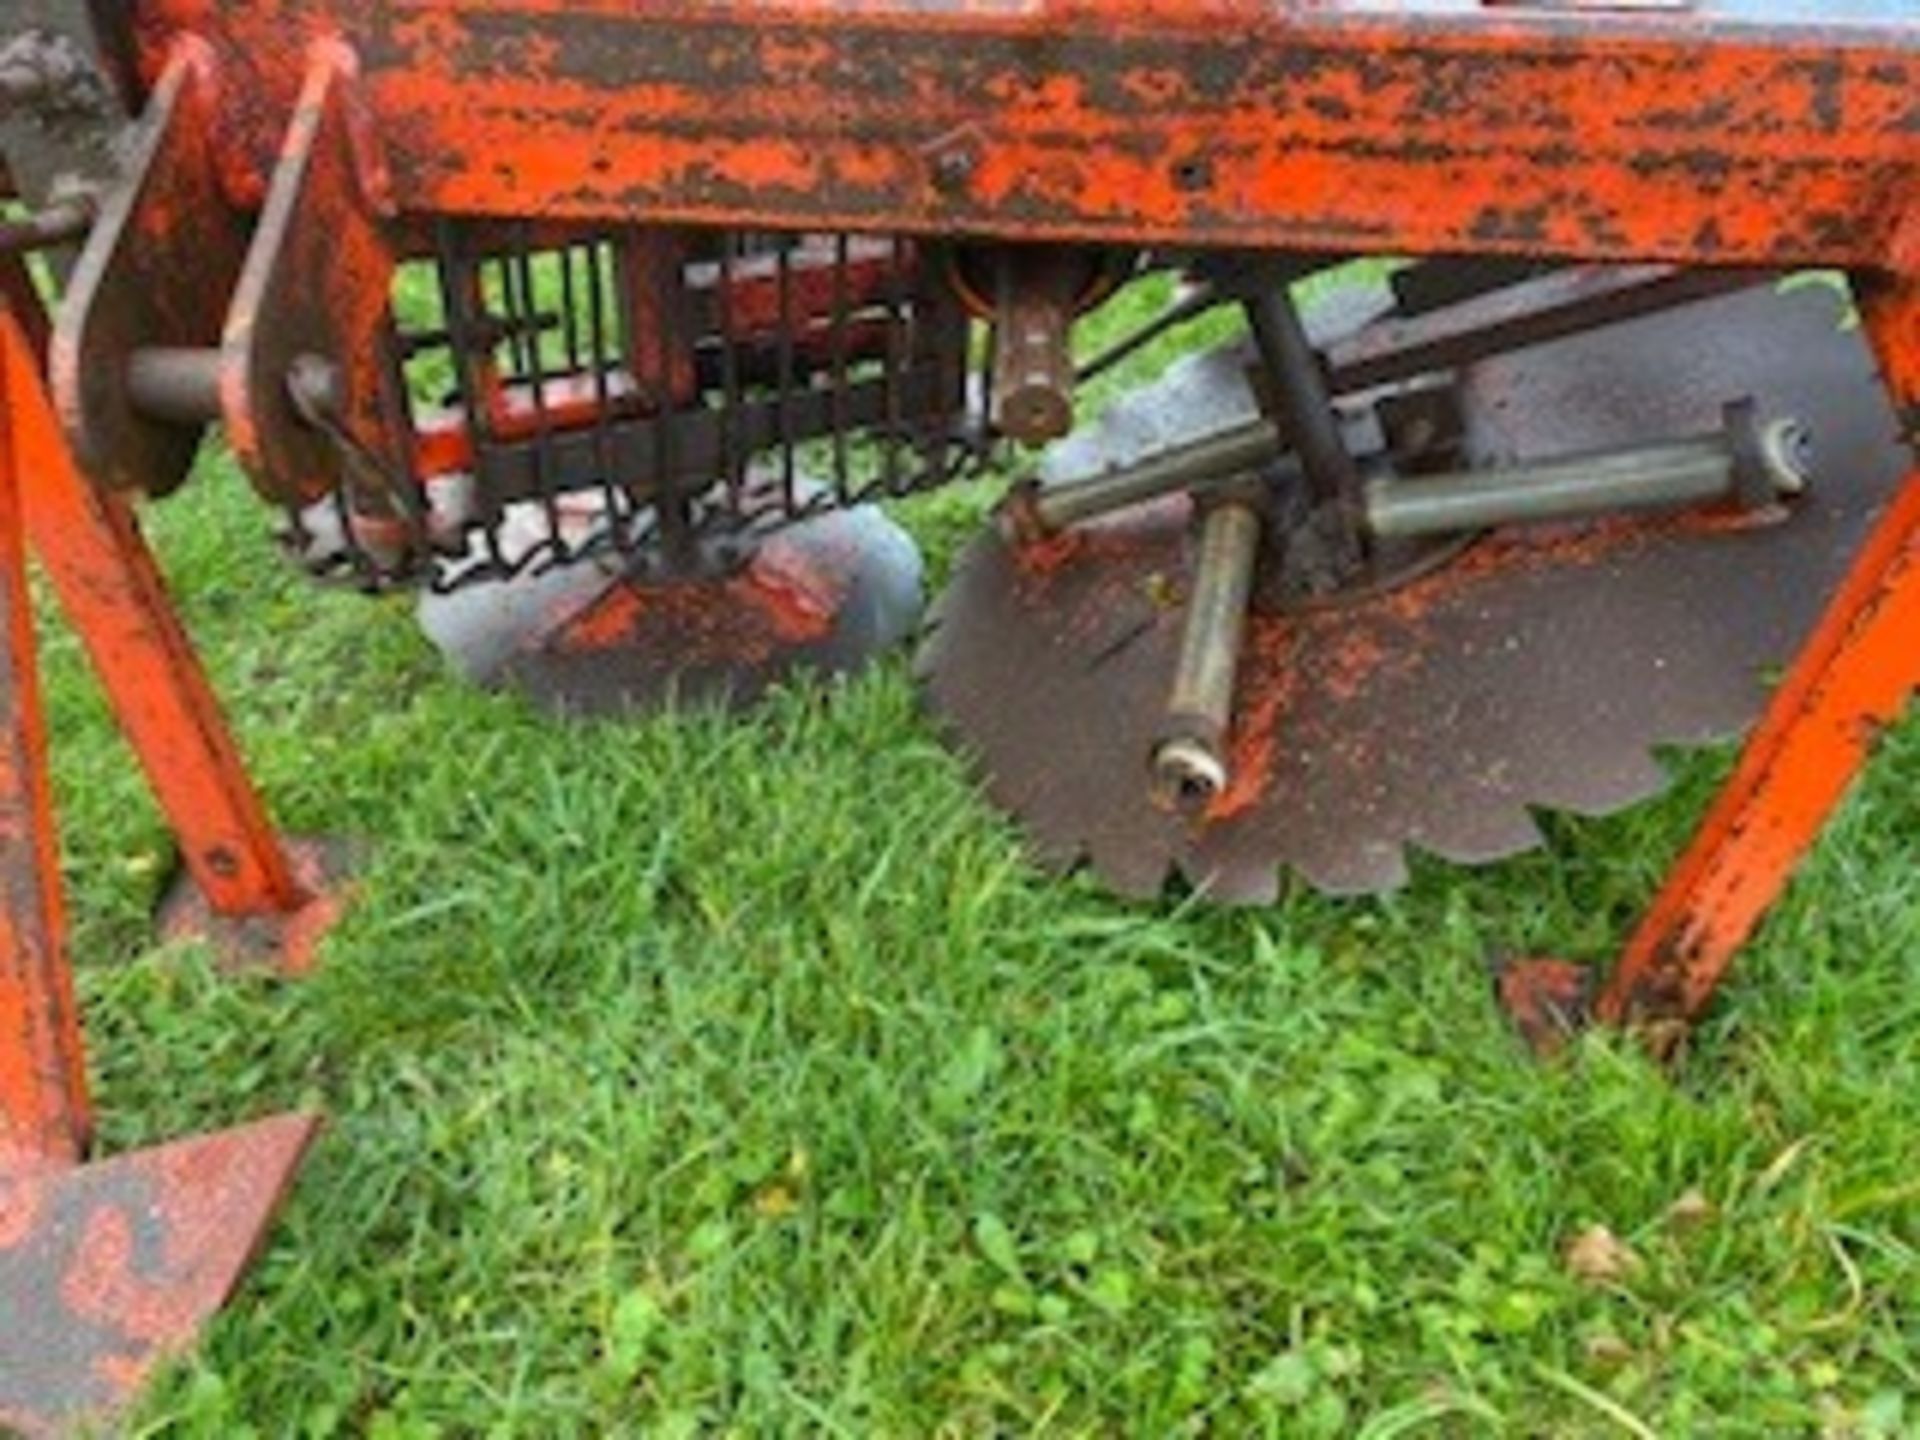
[{"x": 692, "y": 1077}]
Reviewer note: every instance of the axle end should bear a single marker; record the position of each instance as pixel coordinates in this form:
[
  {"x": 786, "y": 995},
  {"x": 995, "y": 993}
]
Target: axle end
[{"x": 1188, "y": 774}]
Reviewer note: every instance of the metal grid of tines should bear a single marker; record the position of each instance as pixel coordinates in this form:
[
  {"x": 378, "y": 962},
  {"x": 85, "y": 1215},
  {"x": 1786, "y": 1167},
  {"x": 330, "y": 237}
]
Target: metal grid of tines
[{"x": 647, "y": 393}]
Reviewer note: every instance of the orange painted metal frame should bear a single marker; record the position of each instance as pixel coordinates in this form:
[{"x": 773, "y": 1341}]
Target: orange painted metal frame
[
  {"x": 1725, "y": 132},
  {"x": 45, "y": 1115},
  {"x": 1764, "y": 132},
  {"x": 90, "y": 543},
  {"x": 112, "y": 591}
]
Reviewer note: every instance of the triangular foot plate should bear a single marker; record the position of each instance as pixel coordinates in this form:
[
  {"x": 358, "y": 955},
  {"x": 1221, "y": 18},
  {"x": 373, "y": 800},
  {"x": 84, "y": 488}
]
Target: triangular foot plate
[{"x": 108, "y": 1268}]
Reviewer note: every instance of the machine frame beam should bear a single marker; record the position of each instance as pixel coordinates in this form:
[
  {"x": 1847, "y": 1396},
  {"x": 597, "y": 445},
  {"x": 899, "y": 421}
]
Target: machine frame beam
[{"x": 1721, "y": 132}]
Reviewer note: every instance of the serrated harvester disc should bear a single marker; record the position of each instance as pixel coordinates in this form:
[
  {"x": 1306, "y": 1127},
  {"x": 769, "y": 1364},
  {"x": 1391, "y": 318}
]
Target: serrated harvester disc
[{"x": 1537, "y": 670}]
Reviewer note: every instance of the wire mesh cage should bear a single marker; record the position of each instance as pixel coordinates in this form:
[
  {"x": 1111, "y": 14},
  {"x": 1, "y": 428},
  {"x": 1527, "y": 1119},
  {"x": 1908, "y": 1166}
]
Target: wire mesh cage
[{"x": 650, "y": 393}]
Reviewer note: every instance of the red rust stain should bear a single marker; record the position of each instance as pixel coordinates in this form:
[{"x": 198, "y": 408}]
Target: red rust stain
[
  {"x": 102, "y": 1284},
  {"x": 1047, "y": 557},
  {"x": 787, "y": 595},
  {"x": 797, "y": 592},
  {"x": 21, "y": 1199},
  {"x": 1268, "y": 690},
  {"x": 1342, "y": 652}
]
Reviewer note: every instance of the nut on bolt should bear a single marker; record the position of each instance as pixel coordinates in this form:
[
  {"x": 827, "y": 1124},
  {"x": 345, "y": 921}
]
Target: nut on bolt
[{"x": 952, "y": 161}]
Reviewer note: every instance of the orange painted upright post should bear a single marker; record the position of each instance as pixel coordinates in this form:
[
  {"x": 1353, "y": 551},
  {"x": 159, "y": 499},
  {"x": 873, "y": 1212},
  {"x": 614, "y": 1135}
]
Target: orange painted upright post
[
  {"x": 106, "y": 1266},
  {"x": 1853, "y": 678},
  {"x": 113, "y": 593},
  {"x": 43, "y": 1091}
]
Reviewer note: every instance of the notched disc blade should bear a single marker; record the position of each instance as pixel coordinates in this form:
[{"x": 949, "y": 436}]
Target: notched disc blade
[
  {"x": 1537, "y": 670},
  {"x": 822, "y": 597}
]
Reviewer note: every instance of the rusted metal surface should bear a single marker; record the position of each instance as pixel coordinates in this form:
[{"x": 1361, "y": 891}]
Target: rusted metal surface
[
  {"x": 1559, "y": 303},
  {"x": 44, "y": 1110},
  {"x": 284, "y": 937},
  {"x": 107, "y": 1269},
  {"x": 65, "y": 85},
  {"x": 1732, "y": 133},
  {"x": 155, "y": 271},
  {"x": 1547, "y": 1000},
  {"x": 1536, "y": 670},
  {"x": 1036, "y": 299},
  {"x": 316, "y": 289},
  {"x": 495, "y": 137},
  {"x": 597, "y": 637},
  {"x": 1854, "y": 677},
  {"x": 114, "y": 595},
  {"x": 641, "y": 375},
  {"x": 1190, "y": 767}
]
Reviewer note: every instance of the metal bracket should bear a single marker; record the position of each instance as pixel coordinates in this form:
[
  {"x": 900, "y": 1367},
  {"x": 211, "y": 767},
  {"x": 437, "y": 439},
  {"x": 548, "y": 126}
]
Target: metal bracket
[
  {"x": 313, "y": 300},
  {"x": 165, "y": 247},
  {"x": 242, "y": 872}
]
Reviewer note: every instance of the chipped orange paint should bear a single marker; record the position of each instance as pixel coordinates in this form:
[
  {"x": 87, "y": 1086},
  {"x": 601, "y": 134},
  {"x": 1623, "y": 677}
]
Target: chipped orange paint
[
  {"x": 1414, "y": 127},
  {"x": 1421, "y": 126},
  {"x": 116, "y": 599},
  {"x": 45, "y": 1116}
]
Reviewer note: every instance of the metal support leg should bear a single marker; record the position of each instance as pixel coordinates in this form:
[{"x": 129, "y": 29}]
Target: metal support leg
[
  {"x": 116, "y": 599},
  {"x": 106, "y": 1267},
  {"x": 43, "y": 1087},
  {"x": 1854, "y": 677}
]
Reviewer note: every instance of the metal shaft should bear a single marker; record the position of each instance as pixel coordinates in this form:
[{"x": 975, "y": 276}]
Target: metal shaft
[
  {"x": 1666, "y": 474},
  {"x": 1306, "y": 400},
  {"x": 1190, "y": 763},
  {"x": 175, "y": 384},
  {"x": 1038, "y": 293},
  {"x": 1035, "y": 513},
  {"x": 1672, "y": 474}
]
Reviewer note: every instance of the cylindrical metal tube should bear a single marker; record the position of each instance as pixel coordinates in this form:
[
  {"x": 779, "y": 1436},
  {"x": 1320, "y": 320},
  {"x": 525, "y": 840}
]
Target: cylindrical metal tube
[
  {"x": 1038, "y": 296},
  {"x": 1306, "y": 400},
  {"x": 1669, "y": 475},
  {"x": 1036, "y": 513},
  {"x": 1190, "y": 764},
  {"x": 174, "y": 384}
]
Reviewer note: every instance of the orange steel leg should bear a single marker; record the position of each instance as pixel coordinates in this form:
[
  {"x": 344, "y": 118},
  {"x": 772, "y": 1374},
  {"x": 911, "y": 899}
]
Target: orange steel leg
[
  {"x": 112, "y": 591},
  {"x": 43, "y": 1087},
  {"x": 106, "y": 1267},
  {"x": 1853, "y": 678}
]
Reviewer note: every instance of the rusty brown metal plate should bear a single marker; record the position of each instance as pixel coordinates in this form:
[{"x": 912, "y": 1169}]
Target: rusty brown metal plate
[
  {"x": 1537, "y": 671},
  {"x": 108, "y": 1268},
  {"x": 155, "y": 271},
  {"x": 593, "y": 637},
  {"x": 316, "y": 285}
]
